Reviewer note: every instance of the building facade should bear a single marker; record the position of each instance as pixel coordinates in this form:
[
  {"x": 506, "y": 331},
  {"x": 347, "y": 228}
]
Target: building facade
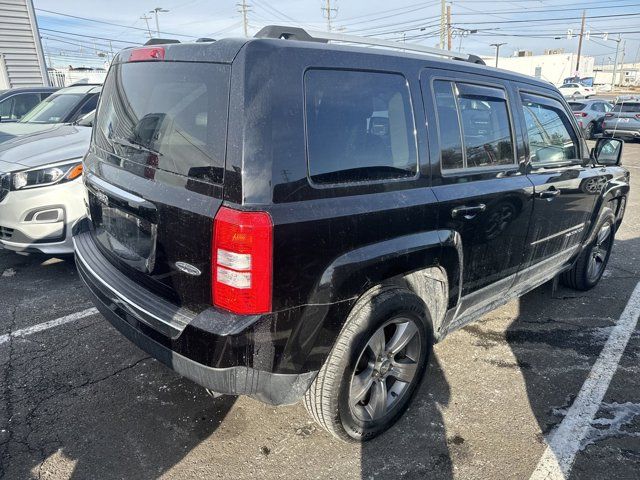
[
  {"x": 553, "y": 68},
  {"x": 22, "y": 61}
]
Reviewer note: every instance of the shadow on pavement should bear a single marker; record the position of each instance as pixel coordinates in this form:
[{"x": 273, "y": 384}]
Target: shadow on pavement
[
  {"x": 417, "y": 446},
  {"x": 81, "y": 401}
]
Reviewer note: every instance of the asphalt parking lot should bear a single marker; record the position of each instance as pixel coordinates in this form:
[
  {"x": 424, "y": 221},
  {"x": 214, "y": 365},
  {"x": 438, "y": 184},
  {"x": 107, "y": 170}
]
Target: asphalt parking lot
[{"x": 80, "y": 401}]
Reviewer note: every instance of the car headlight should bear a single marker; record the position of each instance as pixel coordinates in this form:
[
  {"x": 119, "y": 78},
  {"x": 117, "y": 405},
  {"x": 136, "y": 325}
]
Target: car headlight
[{"x": 42, "y": 177}]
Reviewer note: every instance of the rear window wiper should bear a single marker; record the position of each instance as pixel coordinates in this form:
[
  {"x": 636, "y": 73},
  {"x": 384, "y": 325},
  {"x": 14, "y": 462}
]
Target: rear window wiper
[{"x": 127, "y": 143}]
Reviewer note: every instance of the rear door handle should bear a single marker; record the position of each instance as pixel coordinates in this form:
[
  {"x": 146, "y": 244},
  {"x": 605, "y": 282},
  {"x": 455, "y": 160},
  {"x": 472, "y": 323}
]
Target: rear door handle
[
  {"x": 549, "y": 194},
  {"x": 468, "y": 212}
]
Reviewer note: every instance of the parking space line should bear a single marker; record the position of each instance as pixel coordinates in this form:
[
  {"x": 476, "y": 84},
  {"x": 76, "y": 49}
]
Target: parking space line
[
  {"x": 47, "y": 325},
  {"x": 565, "y": 441}
]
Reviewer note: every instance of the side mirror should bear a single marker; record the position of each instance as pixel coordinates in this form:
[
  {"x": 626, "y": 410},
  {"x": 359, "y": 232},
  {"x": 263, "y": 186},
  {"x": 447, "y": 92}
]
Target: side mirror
[{"x": 608, "y": 151}]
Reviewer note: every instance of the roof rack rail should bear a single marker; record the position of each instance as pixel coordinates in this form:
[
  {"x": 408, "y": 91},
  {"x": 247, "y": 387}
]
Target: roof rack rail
[{"x": 297, "y": 33}]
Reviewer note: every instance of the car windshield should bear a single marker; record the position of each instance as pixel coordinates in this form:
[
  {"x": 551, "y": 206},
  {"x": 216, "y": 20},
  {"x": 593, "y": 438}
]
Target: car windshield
[
  {"x": 576, "y": 107},
  {"x": 53, "y": 109},
  {"x": 627, "y": 107}
]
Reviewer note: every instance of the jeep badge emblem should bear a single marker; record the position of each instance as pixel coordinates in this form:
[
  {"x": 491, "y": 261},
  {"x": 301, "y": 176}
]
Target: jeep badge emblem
[{"x": 188, "y": 269}]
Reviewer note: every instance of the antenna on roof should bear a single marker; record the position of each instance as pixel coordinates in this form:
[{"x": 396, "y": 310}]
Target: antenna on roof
[{"x": 296, "y": 33}]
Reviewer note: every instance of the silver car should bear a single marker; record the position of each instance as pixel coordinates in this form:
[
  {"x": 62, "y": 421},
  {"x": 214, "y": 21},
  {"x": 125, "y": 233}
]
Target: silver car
[
  {"x": 589, "y": 114},
  {"x": 623, "y": 121},
  {"x": 41, "y": 190}
]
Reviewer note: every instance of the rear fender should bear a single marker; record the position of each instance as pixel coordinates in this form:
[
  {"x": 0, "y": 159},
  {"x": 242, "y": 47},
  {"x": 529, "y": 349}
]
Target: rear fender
[
  {"x": 411, "y": 261},
  {"x": 612, "y": 192}
]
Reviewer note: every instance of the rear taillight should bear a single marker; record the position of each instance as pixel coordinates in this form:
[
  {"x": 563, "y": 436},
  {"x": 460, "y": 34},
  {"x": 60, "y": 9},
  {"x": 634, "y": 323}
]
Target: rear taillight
[
  {"x": 145, "y": 54},
  {"x": 580, "y": 114},
  {"x": 241, "y": 261}
]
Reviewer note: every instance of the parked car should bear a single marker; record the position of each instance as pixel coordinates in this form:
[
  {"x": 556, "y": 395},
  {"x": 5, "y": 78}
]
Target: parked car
[
  {"x": 590, "y": 114},
  {"x": 41, "y": 194},
  {"x": 14, "y": 103},
  {"x": 288, "y": 218},
  {"x": 64, "y": 106},
  {"x": 586, "y": 81},
  {"x": 623, "y": 121},
  {"x": 576, "y": 90}
]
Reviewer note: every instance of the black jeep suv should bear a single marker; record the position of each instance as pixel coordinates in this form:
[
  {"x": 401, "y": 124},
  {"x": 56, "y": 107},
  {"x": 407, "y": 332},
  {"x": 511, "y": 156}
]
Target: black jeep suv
[{"x": 285, "y": 217}]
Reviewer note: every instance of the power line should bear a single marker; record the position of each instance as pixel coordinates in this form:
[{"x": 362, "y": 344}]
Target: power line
[
  {"x": 88, "y": 36},
  {"x": 549, "y": 19},
  {"x": 274, "y": 11},
  {"x": 403, "y": 12},
  {"x": 109, "y": 23}
]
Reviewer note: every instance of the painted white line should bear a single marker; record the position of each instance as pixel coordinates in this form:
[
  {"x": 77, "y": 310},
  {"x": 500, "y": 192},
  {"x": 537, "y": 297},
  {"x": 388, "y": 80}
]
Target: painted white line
[
  {"x": 565, "y": 441},
  {"x": 47, "y": 325}
]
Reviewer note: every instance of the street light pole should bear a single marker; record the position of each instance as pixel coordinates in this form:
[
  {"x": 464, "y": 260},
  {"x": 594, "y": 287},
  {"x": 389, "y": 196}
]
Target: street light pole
[
  {"x": 156, "y": 11},
  {"x": 497, "y": 45}
]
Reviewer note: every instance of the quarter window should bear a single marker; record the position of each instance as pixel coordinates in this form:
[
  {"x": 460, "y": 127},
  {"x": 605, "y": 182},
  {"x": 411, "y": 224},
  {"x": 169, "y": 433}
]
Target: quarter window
[
  {"x": 549, "y": 131},
  {"x": 474, "y": 126},
  {"x": 359, "y": 126}
]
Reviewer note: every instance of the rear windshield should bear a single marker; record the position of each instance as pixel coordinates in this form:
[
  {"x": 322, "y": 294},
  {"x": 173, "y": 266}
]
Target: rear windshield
[
  {"x": 168, "y": 115},
  {"x": 627, "y": 107},
  {"x": 576, "y": 107}
]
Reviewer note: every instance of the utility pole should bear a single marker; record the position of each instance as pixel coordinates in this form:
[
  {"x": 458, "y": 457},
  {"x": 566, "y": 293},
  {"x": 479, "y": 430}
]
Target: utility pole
[
  {"x": 156, "y": 11},
  {"x": 497, "y": 45},
  {"x": 615, "y": 64},
  {"x": 146, "y": 19},
  {"x": 584, "y": 19},
  {"x": 330, "y": 13},
  {"x": 243, "y": 8},
  {"x": 449, "y": 47},
  {"x": 443, "y": 13}
]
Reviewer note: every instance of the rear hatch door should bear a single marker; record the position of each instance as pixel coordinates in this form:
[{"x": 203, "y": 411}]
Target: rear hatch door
[
  {"x": 624, "y": 116},
  {"x": 154, "y": 173}
]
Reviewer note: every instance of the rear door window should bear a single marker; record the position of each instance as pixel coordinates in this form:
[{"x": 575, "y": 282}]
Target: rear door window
[
  {"x": 168, "y": 115},
  {"x": 474, "y": 125},
  {"x": 360, "y": 126}
]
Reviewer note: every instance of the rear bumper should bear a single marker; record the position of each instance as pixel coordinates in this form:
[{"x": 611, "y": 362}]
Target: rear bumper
[
  {"x": 215, "y": 349},
  {"x": 617, "y": 132}
]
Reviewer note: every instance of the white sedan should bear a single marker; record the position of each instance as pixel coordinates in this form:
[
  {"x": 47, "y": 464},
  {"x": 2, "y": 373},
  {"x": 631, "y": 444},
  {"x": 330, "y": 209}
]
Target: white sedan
[{"x": 575, "y": 90}]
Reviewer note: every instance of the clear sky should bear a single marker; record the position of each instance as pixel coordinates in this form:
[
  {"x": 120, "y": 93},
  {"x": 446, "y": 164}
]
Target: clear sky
[{"x": 522, "y": 24}]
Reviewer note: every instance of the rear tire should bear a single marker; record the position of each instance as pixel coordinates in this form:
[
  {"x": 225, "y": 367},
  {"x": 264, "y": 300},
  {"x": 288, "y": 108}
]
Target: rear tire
[
  {"x": 357, "y": 394},
  {"x": 588, "y": 132},
  {"x": 592, "y": 262}
]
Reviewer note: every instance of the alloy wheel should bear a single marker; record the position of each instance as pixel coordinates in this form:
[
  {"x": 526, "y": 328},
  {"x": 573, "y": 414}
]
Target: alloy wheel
[
  {"x": 386, "y": 368},
  {"x": 599, "y": 253}
]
